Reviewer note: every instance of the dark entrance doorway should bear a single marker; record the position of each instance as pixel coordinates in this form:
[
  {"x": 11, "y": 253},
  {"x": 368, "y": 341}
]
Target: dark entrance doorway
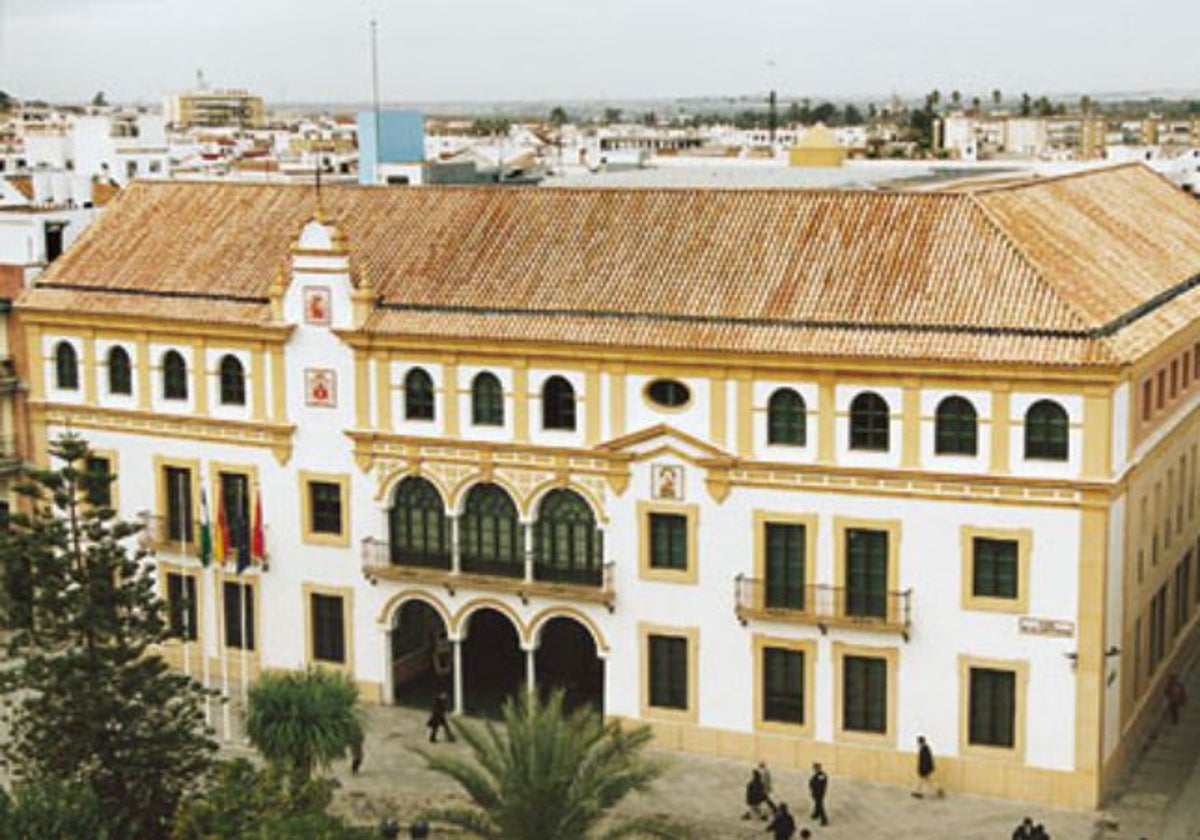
[
  {"x": 493, "y": 663},
  {"x": 422, "y": 660},
  {"x": 567, "y": 659}
]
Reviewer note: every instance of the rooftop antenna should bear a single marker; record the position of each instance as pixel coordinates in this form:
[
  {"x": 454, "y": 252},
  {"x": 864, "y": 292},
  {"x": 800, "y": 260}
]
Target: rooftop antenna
[
  {"x": 772, "y": 102},
  {"x": 375, "y": 89},
  {"x": 201, "y": 85}
]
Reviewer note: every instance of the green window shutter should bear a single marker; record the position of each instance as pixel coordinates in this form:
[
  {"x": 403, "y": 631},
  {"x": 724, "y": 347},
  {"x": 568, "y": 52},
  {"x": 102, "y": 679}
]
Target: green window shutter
[
  {"x": 866, "y": 573},
  {"x": 783, "y": 685},
  {"x": 668, "y": 541},
  {"x": 668, "y": 672},
  {"x": 992, "y": 713},
  {"x": 785, "y": 567},
  {"x": 995, "y": 568},
  {"x": 864, "y": 694}
]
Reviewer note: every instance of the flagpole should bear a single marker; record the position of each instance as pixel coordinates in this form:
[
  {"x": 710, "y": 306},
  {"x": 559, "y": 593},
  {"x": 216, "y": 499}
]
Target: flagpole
[
  {"x": 219, "y": 551},
  {"x": 242, "y": 562},
  {"x": 187, "y": 653},
  {"x": 245, "y": 655},
  {"x": 204, "y": 667}
]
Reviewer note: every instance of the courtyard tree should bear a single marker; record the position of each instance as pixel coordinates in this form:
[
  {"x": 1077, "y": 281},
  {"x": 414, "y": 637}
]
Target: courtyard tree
[
  {"x": 302, "y": 723},
  {"x": 86, "y": 698},
  {"x": 51, "y": 809},
  {"x": 549, "y": 775}
]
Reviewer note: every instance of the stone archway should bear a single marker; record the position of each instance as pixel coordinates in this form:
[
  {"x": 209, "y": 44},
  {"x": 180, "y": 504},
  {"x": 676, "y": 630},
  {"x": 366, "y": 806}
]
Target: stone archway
[
  {"x": 567, "y": 658},
  {"x": 421, "y": 653},
  {"x": 493, "y": 664}
]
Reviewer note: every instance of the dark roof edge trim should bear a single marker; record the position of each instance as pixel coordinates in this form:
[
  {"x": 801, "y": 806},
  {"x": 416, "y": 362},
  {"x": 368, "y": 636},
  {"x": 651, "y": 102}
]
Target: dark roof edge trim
[{"x": 109, "y": 290}]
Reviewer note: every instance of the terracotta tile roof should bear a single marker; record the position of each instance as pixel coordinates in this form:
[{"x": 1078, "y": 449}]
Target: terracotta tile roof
[{"x": 1041, "y": 273}]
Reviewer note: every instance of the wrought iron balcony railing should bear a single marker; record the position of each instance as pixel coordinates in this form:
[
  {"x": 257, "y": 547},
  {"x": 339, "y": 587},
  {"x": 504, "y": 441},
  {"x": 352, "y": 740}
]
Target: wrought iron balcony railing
[{"x": 824, "y": 606}]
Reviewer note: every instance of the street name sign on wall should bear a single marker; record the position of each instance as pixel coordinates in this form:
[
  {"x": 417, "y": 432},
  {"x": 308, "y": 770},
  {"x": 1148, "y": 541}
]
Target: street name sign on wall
[{"x": 1058, "y": 628}]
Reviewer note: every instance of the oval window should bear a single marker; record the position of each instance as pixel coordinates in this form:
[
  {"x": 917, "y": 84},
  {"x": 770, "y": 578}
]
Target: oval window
[{"x": 669, "y": 393}]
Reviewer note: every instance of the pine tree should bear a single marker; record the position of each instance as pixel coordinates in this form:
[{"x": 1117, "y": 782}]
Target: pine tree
[{"x": 86, "y": 698}]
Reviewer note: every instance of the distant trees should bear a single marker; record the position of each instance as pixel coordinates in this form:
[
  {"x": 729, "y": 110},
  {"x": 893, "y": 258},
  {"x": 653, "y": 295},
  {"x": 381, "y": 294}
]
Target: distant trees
[
  {"x": 99, "y": 100},
  {"x": 612, "y": 115},
  {"x": 559, "y": 117},
  {"x": 490, "y": 126},
  {"x": 997, "y": 98},
  {"x": 1026, "y": 105}
]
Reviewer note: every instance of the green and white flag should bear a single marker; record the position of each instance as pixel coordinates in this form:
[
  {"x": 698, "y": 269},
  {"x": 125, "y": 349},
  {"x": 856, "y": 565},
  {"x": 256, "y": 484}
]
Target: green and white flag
[{"x": 206, "y": 543}]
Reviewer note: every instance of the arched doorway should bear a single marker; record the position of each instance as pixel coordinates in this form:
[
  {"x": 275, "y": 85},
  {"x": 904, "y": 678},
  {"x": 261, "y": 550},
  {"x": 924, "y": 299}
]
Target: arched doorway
[
  {"x": 566, "y": 658},
  {"x": 493, "y": 664},
  {"x": 422, "y": 659}
]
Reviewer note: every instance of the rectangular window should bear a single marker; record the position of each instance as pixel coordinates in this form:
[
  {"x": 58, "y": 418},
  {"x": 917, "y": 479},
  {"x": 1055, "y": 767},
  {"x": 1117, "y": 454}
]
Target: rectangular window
[
  {"x": 1186, "y": 370},
  {"x": 238, "y": 600},
  {"x": 668, "y": 672},
  {"x": 54, "y": 241},
  {"x": 995, "y": 569},
  {"x": 328, "y": 628},
  {"x": 1196, "y": 361},
  {"x": 235, "y": 502},
  {"x": 1137, "y": 658},
  {"x": 1158, "y": 628},
  {"x": 993, "y": 706},
  {"x": 785, "y": 567},
  {"x": 325, "y": 506},
  {"x": 783, "y": 685},
  {"x": 177, "y": 484},
  {"x": 1174, "y": 378},
  {"x": 181, "y": 606},
  {"x": 668, "y": 541},
  {"x": 1161, "y": 397},
  {"x": 100, "y": 477},
  {"x": 866, "y": 573},
  {"x": 1147, "y": 399},
  {"x": 864, "y": 694},
  {"x": 1183, "y": 592}
]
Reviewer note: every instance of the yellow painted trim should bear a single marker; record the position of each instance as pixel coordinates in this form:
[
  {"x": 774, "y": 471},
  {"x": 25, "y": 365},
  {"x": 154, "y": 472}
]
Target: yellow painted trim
[
  {"x": 841, "y": 524},
  {"x": 258, "y": 384},
  {"x": 616, "y": 401},
  {"x": 892, "y": 657},
  {"x": 383, "y": 392},
  {"x": 37, "y": 362},
  {"x": 692, "y": 635},
  {"x": 164, "y": 568},
  {"x": 1097, "y": 436},
  {"x": 1023, "y": 537},
  {"x": 307, "y": 534},
  {"x": 144, "y": 395},
  {"x": 114, "y": 489},
  {"x": 538, "y": 622},
  {"x": 826, "y": 420},
  {"x": 718, "y": 410},
  {"x": 387, "y": 612},
  {"x": 346, "y": 593},
  {"x": 362, "y": 390},
  {"x": 89, "y": 370},
  {"x": 759, "y": 643},
  {"x": 809, "y": 520},
  {"x": 1016, "y": 753},
  {"x": 1001, "y": 431},
  {"x": 278, "y": 385},
  {"x": 592, "y": 407},
  {"x": 462, "y": 619},
  {"x": 451, "y": 398},
  {"x": 520, "y": 376},
  {"x": 910, "y": 426},
  {"x": 161, "y": 492},
  {"x": 645, "y": 571},
  {"x": 161, "y": 327},
  {"x": 234, "y": 655},
  {"x": 1090, "y": 664},
  {"x": 216, "y": 469},
  {"x": 200, "y": 376},
  {"x": 745, "y": 415}
]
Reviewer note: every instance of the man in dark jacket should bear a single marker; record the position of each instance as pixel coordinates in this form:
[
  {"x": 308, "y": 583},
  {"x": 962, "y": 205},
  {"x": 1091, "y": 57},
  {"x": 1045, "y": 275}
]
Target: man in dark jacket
[
  {"x": 818, "y": 784},
  {"x": 783, "y": 825},
  {"x": 1024, "y": 831},
  {"x": 756, "y": 797},
  {"x": 925, "y": 768},
  {"x": 437, "y": 719}
]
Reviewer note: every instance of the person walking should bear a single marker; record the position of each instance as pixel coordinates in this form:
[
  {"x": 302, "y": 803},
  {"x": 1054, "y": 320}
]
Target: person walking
[
  {"x": 1176, "y": 696},
  {"x": 1024, "y": 831},
  {"x": 1039, "y": 833},
  {"x": 356, "y": 752},
  {"x": 756, "y": 796},
  {"x": 925, "y": 769},
  {"x": 783, "y": 826},
  {"x": 818, "y": 784},
  {"x": 437, "y": 719},
  {"x": 765, "y": 773}
]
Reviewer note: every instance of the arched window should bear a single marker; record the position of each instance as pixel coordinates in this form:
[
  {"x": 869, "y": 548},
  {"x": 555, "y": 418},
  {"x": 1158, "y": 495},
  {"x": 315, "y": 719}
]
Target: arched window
[
  {"x": 489, "y": 533},
  {"x": 786, "y": 418},
  {"x": 956, "y": 427},
  {"x": 174, "y": 376},
  {"x": 1046, "y": 431},
  {"x": 233, "y": 381},
  {"x": 418, "y": 531},
  {"x": 66, "y": 366},
  {"x": 418, "y": 395},
  {"x": 487, "y": 401},
  {"x": 566, "y": 540},
  {"x": 558, "y": 404},
  {"x": 869, "y": 422},
  {"x": 120, "y": 375}
]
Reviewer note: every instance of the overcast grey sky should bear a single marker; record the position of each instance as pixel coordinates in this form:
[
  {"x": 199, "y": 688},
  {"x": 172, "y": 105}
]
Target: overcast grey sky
[{"x": 546, "y": 49}]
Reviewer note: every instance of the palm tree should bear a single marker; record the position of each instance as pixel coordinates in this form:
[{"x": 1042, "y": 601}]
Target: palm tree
[
  {"x": 997, "y": 97},
  {"x": 303, "y": 722},
  {"x": 549, "y": 776}
]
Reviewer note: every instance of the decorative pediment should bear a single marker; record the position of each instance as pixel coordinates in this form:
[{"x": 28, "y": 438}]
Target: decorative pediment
[{"x": 654, "y": 441}]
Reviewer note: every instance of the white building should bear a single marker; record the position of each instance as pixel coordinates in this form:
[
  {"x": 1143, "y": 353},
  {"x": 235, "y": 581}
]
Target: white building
[{"x": 760, "y": 468}]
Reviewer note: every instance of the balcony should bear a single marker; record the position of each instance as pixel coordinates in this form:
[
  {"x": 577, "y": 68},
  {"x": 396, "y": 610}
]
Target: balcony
[
  {"x": 825, "y": 606},
  {"x": 158, "y": 537},
  {"x": 526, "y": 580}
]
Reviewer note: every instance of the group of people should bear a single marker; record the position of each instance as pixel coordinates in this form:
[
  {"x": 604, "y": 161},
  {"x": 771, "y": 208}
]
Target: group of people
[
  {"x": 1028, "y": 830},
  {"x": 783, "y": 825}
]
